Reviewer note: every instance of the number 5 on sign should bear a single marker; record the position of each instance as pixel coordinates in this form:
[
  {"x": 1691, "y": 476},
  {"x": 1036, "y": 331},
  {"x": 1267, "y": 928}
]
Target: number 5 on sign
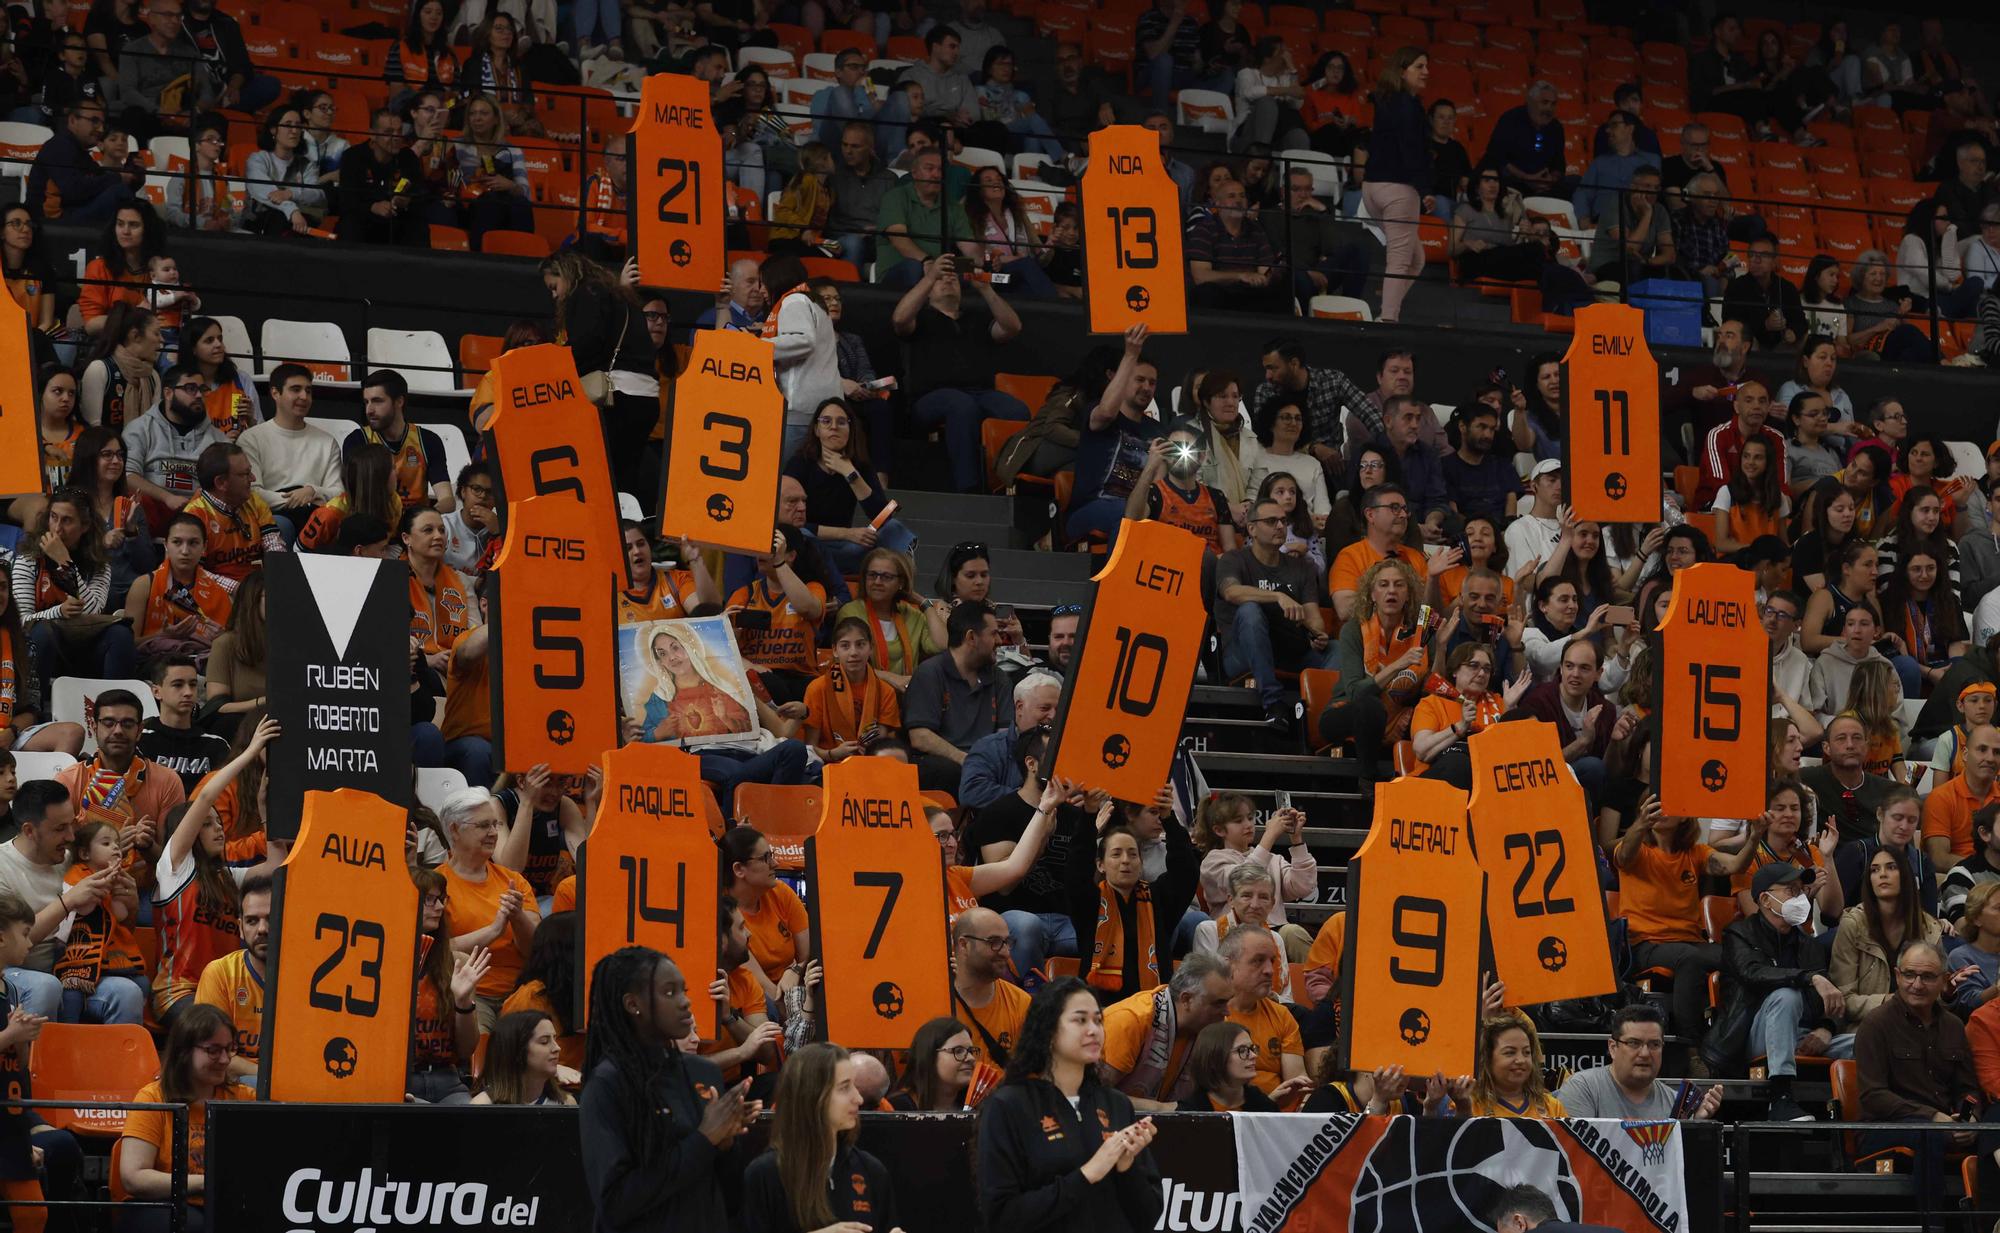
[
  {"x": 727, "y": 426},
  {"x": 1133, "y": 270},
  {"x": 1611, "y": 402},
  {"x": 646, "y": 876},
  {"x": 1410, "y": 973},
  {"x": 1120, "y": 718},
  {"x": 877, "y": 904},
  {"x": 344, "y": 919},
  {"x": 1715, "y": 705},
  {"x": 677, "y": 185}
]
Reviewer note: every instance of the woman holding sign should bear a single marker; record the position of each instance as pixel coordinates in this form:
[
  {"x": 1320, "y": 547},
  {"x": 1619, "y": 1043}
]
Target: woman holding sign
[
  {"x": 1508, "y": 1080},
  {"x": 597, "y": 318},
  {"x": 655, "y": 1120},
  {"x": 1027, "y": 1174},
  {"x": 1130, "y": 920},
  {"x": 1382, "y": 663},
  {"x": 814, "y": 1177}
]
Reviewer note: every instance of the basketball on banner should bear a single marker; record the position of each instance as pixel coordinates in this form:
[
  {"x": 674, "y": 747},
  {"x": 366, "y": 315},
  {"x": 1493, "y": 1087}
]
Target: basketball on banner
[
  {"x": 1137, "y": 650},
  {"x": 1611, "y": 417}
]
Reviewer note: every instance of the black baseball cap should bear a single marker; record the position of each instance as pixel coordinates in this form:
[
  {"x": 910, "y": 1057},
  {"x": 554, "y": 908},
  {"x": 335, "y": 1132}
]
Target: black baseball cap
[{"x": 1778, "y": 873}]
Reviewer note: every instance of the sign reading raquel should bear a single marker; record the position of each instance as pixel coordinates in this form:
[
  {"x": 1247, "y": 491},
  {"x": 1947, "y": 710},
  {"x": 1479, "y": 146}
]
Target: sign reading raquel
[
  {"x": 344, "y": 954},
  {"x": 1611, "y": 414},
  {"x": 876, "y": 869}
]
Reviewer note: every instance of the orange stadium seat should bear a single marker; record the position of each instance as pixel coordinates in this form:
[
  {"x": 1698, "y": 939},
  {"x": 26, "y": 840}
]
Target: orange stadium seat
[
  {"x": 787, "y": 814},
  {"x": 514, "y": 243},
  {"x": 1347, "y": 23},
  {"x": 78, "y": 1061},
  {"x": 476, "y": 352},
  {"x": 450, "y": 239}
]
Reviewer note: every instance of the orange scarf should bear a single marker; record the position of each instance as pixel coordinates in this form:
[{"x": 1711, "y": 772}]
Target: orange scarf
[
  {"x": 770, "y": 328},
  {"x": 1107, "y": 957},
  {"x": 1378, "y": 651},
  {"x": 904, "y": 639},
  {"x": 859, "y": 701}
]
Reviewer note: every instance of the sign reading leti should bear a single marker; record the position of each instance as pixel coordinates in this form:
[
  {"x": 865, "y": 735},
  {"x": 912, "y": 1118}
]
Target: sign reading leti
[{"x": 328, "y": 717}]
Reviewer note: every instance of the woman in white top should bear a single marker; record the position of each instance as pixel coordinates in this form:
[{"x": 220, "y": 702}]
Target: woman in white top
[
  {"x": 200, "y": 196},
  {"x": 323, "y": 143},
  {"x": 1555, "y": 624},
  {"x": 1268, "y": 97},
  {"x": 281, "y": 179},
  {"x": 1928, "y": 261},
  {"x": 1280, "y": 441},
  {"x": 1819, "y": 364},
  {"x": 1008, "y": 242},
  {"x": 1819, "y": 296}
]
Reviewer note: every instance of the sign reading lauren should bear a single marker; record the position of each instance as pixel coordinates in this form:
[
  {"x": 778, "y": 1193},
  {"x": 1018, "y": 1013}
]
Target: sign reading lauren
[{"x": 339, "y": 681}]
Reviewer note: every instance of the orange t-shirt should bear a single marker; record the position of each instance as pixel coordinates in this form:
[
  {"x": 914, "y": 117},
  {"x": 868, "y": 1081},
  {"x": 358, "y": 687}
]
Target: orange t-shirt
[
  {"x": 1275, "y": 1033},
  {"x": 468, "y": 698},
  {"x": 1354, "y": 560},
  {"x": 472, "y": 907},
  {"x": 1002, "y": 1017},
  {"x": 1661, "y": 893},
  {"x": 773, "y": 927},
  {"x": 837, "y": 711},
  {"x": 1948, "y": 813},
  {"x": 208, "y": 599},
  {"x": 1329, "y": 944},
  {"x": 958, "y": 896},
  {"x": 534, "y": 995},
  {"x": 1126, "y": 1024},
  {"x": 121, "y": 945},
  {"x": 157, "y": 1127},
  {"x": 1435, "y": 713},
  {"x": 235, "y": 537},
  {"x": 102, "y": 288},
  {"x": 667, "y": 596},
  {"x": 746, "y": 997},
  {"x": 791, "y": 644},
  {"x": 1452, "y": 581},
  {"x": 564, "y": 898}
]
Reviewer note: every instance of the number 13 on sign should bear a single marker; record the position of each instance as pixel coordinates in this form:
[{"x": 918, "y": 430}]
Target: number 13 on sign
[{"x": 1133, "y": 270}]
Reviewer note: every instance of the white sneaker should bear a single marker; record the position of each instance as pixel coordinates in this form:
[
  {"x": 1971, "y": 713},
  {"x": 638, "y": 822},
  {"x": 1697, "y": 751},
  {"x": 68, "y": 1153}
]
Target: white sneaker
[{"x": 588, "y": 51}]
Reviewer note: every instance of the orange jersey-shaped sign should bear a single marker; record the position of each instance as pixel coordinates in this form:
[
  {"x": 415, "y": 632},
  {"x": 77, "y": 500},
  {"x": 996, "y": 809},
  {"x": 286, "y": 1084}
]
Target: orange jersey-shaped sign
[
  {"x": 728, "y": 426},
  {"x": 549, "y": 440},
  {"x": 20, "y": 438},
  {"x": 1531, "y": 829},
  {"x": 647, "y": 874},
  {"x": 877, "y": 904},
  {"x": 1715, "y": 704},
  {"x": 677, "y": 185},
  {"x": 1611, "y": 417},
  {"x": 344, "y": 950},
  {"x": 1133, "y": 271},
  {"x": 1136, "y": 655},
  {"x": 553, "y": 639},
  {"x": 1410, "y": 973}
]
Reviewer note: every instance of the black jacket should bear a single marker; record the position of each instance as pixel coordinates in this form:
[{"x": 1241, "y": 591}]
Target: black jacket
[
  {"x": 1032, "y": 1149},
  {"x": 1757, "y": 961},
  {"x": 675, "y": 1187},
  {"x": 606, "y": 332},
  {"x": 1744, "y": 301},
  {"x": 859, "y": 1189},
  {"x": 1171, "y": 896}
]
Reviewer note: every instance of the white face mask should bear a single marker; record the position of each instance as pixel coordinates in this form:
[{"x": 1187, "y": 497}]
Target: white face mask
[{"x": 1796, "y": 911}]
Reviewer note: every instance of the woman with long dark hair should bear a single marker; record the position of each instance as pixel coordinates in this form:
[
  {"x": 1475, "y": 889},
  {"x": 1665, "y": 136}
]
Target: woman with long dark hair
[
  {"x": 967, "y": 573},
  {"x": 494, "y": 69},
  {"x": 200, "y": 196},
  {"x": 281, "y": 177},
  {"x": 1889, "y": 914},
  {"x": 1008, "y": 240},
  {"x": 29, "y": 275},
  {"x": 1536, "y": 424},
  {"x": 1302, "y": 530},
  {"x": 97, "y": 469},
  {"x": 813, "y": 1177},
  {"x": 236, "y": 661},
  {"x": 1332, "y": 111},
  {"x": 118, "y": 274},
  {"x": 194, "y": 1069},
  {"x": 1819, "y": 295},
  {"x": 522, "y": 1061},
  {"x": 1827, "y": 510},
  {"x": 1920, "y": 606},
  {"x": 367, "y": 487},
  {"x": 832, "y": 465},
  {"x": 1851, "y": 581},
  {"x": 1684, "y": 545},
  {"x": 61, "y": 584},
  {"x": 445, "y": 1023},
  {"x": 1929, "y": 264},
  {"x": 780, "y": 938},
  {"x": 1921, "y": 525},
  {"x": 1753, "y": 503},
  {"x": 597, "y": 318},
  {"x": 547, "y": 985},
  {"x": 58, "y": 427},
  {"x": 942, "y": 1057},
  {"x": 121, "y": 379},
  {"x": 1485, "y": 230},
  {"x": 1866, "y": 479},
  {"x": 1399, "y": 171},
  {"x": 1281, "y": 443},
  {"x": 422, "y": 59},
  {"x": 651, "y": 1139},
  {"x": 232, "y": 400},
  {"x": 1223, "y": 1061},
  {"x": 1028, "y": 1177}
]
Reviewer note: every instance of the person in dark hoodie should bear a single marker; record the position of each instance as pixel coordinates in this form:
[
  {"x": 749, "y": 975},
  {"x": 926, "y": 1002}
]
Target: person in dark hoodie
[
  {"x": 655, "y": 1122},
  {"x": 814, "y": 1177},
  {"x": 1129, "y": 920},
  {"x": 1060, "y": 1152}
]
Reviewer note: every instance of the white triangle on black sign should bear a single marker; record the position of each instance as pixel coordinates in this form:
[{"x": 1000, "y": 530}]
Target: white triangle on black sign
[{"x": 340, "y": 587}]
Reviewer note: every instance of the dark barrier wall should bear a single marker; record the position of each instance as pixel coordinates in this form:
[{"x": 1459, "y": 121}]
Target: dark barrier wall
[
  {"x": 273, "y": 1166},
  {"x": 358, "y": 286}
]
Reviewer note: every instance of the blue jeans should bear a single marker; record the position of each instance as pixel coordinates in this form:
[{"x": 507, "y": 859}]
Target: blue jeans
[
  {"x": 1591, "y": 773},
  {"x": 1038, "y": 138},
  {"x": 1037, "y": 935},
  {"x": 961, "y": 412},
  {"x": 897, "y": 272},
  {"x": 109, "y": 656},
  {"x": 1030, "y": 280},
  {"x": 1776, "y": 1031},
  {"x": 1101, "y": 514},
  {"x": 101, "y": 208},
  {"x": 1908, "y": 673},
  {"x": 1184, "y": 932},
  {"x": 119, "y": 999},
  {"x": 470, "y": 756},
  {"x": 845, "y": 555},
  {"x": 596, "y": 17},
  {"x": 783, "y": 763},
  {"x": 1250, "y": 650}
]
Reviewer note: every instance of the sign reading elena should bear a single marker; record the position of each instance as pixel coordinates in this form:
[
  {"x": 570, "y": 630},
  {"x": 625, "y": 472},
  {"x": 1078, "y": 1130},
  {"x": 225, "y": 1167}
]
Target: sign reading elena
[
  {"x": 339, "y": 681},
  {"x": 549, "y": 442},
  {"x": 677, "y": 185},
  {"x": 1133, "y": 271}
]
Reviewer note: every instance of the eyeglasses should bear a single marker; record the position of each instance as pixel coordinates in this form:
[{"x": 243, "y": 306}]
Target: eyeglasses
[
  {"x": 961, "y": 1053},
  {"x": 1642, "y": 1046},
  {"x": 1063, "y": 610},
  {"x": 219, "y": 1053},
  {"x": 882, "y": 575},
  {"x": 1371, "y": 464},
  {"x": 998, "y": 941},
  {"x": 1393, "y": 507},
  {"x": 190, "y": 387},
  {"x": 1919, "y": 977},
  {"x": 1247, "y": 1052},
  {"x": 656, "y": 315},
  {"x": 488, "y": 825},
  {"x": 758, "y": 858},
  {"x": 1478, "y": 666},
  {"x": 1264, "y": 522},
  {"x": 436, "y": 901}
]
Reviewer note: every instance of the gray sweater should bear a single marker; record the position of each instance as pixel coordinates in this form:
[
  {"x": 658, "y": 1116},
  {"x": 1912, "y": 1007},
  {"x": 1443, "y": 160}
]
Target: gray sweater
[{"x": 144, "y": 71}]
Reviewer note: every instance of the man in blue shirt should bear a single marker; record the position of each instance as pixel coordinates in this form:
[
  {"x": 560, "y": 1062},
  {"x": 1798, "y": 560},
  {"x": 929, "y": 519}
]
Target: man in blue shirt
[
  {"x": 1423, "y": 475},
  {"x": 990, "y": 770},
  {"x": 851, "y": 97},
  {"x": 1479, "y": 479},
  {"x": 1609, "y": 174},
  {"x": 1527, "y": 144}
]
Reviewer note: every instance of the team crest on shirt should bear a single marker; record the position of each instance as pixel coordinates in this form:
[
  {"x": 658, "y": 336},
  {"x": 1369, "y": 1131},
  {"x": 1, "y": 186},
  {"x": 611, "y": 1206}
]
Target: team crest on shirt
[
  {"x": 1104, "y": 1119},
  {"x": 243, "y": 995},
  {"x": 704, "y": 1091},
  {"x": 1051, "y": 1128},
  {"x": 1274, "y": 1047},
  {"x": 861, "y": 1205},
  {"x": 452, "y": 602}
]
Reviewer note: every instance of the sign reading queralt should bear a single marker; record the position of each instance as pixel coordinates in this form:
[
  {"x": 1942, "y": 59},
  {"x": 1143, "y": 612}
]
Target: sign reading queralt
[{"x": 339, "y": 681}]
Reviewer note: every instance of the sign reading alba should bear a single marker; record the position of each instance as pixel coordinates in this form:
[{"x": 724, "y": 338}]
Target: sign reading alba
[
  {"x": 1611, "y": 413},
  {"x": 647, "y": 875},
  {"x": 555, "y": 656},
  {"x": 1544, "y": 917},
  {"x": 728, "y": 425},
  {"x": 339, "y": 681},
  {"x": 1410, "y": 974},
  {"x": 344, "y": 922},
  {"x": 1715, "y": 705},
  {"x": 877, "y": 906},
  {"x": 1132, "y": 235},
  {"x": 1122, "y": 707},
  {"x": 677, "y": 185}
]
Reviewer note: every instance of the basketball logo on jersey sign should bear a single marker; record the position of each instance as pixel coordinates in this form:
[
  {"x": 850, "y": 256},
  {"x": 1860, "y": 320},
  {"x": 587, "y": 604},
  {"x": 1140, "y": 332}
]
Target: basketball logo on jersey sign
[{"x": 339, "y": 681}]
